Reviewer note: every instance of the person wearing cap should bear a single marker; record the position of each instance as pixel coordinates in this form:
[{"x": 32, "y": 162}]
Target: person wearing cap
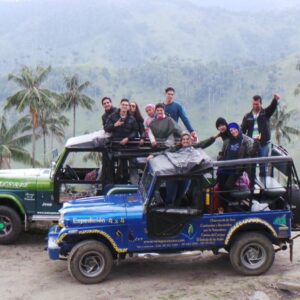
[
  {"x": 150, "y": 111},
  {"x": 108, "y": 109},
  {"x": 236, "y": 147},
  {"x": 176, "y": 111},
  {"x": 221, "y": 126},
  {"x": 256, "y": 124}
]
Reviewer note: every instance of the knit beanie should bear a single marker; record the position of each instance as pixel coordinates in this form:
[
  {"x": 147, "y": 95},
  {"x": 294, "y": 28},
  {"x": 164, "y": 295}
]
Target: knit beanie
[
  {"x": 221, "y": 121},
  {"x": 234, "y": 125},
  {"x": 150, "y": 105}
]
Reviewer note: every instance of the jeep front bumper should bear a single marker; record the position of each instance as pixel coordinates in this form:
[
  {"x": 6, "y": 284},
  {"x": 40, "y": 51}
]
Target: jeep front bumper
[{"x": 53, "y": 248}]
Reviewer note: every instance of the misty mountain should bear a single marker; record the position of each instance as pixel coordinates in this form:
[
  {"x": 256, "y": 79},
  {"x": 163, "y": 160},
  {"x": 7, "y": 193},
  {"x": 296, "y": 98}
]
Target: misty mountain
[{"x": 129, "y": 33}]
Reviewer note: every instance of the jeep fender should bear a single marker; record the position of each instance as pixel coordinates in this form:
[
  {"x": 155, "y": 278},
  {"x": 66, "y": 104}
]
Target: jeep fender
[
  {"x": 86, "y": 234},
  {"x": 249, "y": 224},
  {"x": 15, "y": 203}
]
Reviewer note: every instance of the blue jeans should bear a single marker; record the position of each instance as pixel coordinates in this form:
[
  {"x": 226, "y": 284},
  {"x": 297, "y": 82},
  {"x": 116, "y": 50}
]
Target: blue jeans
[
  {"x": 262, "y": 152},
  {"x": 175, "y": 190}
]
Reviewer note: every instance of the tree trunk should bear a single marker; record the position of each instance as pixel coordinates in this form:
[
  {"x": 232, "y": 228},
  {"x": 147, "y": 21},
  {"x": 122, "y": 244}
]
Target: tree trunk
[
  {"x": 74, "y": 118},
  {"x": 51, "y": 141},
  {"x": 44, "y": 143},
  {"x": 33, "y": 146}
]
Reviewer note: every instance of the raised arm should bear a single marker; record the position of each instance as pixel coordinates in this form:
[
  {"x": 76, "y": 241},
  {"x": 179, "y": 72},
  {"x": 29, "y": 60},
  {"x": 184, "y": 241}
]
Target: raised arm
[
  {"x": 272, "y": 107},
  {"x": 205, "y": 143},
  {"x": 184, "y": 118}
]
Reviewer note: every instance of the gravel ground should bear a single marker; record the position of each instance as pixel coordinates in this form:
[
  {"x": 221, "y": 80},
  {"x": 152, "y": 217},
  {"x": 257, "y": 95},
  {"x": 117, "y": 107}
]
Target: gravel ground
[{"x": 27, "y": 274}]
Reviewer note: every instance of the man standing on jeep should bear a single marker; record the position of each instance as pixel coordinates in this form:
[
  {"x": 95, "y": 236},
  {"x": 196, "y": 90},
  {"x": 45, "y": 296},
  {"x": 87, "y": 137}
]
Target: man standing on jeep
[
  {"x": 121, "y": 124},
  {"x": 108, "y": 109},
  {"x": 176, "y": 111},
  {"x": 256, "y": 124}
]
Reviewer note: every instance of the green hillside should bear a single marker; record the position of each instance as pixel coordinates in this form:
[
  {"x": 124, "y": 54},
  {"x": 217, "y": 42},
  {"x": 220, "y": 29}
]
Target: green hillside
[{"x": 215, "y": 58}]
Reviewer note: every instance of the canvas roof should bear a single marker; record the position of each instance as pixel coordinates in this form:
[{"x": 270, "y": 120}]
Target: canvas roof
[
  {"x": 180, "y": 162},
  {"x": 94, "y": 140}
]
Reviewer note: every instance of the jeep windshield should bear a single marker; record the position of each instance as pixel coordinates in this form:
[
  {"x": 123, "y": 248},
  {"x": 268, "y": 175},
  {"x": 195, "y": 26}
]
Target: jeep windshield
[{"x": 146, "y": 182}]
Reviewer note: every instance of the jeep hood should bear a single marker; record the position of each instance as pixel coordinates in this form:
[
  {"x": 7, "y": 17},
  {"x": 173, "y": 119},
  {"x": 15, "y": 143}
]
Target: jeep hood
[
  {"x": 102, "y": 210},
  {"x": 24, "y": 173},
  {"x": 94, "y": 211},
  {"x": 23, "y": 179}
]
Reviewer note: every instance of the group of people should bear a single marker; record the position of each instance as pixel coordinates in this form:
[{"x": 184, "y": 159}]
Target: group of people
[
  {"x": 126, "y": 123},
  {"x": 251, "y": 138}
]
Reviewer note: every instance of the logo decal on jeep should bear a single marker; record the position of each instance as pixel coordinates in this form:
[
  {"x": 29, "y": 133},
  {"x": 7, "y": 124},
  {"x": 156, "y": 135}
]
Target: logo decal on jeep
[
  {"x": 280, "y": 220},
  {"x": 190, "y": 230}
]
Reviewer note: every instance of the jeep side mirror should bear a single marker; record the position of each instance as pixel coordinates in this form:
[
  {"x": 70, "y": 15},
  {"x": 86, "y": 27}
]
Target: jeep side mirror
[{"x": 54, "y": 153}]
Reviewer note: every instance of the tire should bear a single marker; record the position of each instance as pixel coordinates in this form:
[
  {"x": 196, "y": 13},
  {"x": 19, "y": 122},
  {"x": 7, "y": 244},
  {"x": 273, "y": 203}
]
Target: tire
[
  {"x": 10, "y": 225},
  {"x": 252, "y": 254},
  {"x": 90, "y": 262}
]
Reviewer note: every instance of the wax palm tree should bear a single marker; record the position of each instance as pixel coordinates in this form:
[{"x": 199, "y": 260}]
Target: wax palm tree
[
  {"x": 12, "y": 142},
  {"x": 52, "y": 122},
  {"x": 31, "y": 97},
  {"x": 279, "y": 123},
  {"x": 74, "y": 97}
]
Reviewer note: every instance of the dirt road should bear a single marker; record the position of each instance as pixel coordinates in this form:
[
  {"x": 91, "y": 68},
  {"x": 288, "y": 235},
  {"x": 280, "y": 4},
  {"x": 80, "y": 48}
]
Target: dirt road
[{"x": 26, "y": 273}]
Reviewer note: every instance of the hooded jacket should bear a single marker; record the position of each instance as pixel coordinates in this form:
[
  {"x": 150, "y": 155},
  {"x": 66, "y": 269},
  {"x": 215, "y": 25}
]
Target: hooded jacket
[{"x": 247, "y": 148}]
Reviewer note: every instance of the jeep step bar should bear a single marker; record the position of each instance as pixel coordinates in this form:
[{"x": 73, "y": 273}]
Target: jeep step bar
[{"x": 51, "y": 217}]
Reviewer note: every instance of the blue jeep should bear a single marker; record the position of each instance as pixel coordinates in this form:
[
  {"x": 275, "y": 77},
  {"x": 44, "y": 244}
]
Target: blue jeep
[{"x": 251, "y": 222}]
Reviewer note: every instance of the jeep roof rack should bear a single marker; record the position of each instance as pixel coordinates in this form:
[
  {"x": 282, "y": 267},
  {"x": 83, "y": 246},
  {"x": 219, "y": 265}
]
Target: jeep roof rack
[{"x": 101, "y": 141}]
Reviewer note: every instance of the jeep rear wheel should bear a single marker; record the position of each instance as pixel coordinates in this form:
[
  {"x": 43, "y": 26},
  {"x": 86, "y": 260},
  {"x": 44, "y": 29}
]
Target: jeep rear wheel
[
  {"x": 252, "y": 254},
  {"x": 10, "y": 225},
  {"x": 90, "y": 262}
]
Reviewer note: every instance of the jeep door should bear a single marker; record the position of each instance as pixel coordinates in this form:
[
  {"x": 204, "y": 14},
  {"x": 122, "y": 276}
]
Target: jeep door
[{"x": 78, "y": 176}]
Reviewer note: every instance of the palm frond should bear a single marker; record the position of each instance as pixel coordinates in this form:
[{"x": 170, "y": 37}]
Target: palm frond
[
  {"x": 286, "y": 136},
  {"x": 14, "y": 100},
  {"x": 21, "y": 141},
  {"x": 86, "y": 102},
  {"x": 42, "y": 75},
  {"x": 21, "y": 155},
  {"x": 18, "y": 80},
  {"x": 5, "y": 151},
  {"x": 291, "y": 130},
  {"x": 83, "y": 86}
]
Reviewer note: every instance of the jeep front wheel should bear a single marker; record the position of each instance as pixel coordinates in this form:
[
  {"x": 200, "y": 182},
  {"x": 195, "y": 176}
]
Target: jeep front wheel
[
  {"x": 252, "y": 254},
  {"x": 90, "y": 262},
  {"x": 10, "y": 225}
]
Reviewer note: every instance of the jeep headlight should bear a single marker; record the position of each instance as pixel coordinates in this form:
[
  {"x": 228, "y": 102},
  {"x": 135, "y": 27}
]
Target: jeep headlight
[{"x": 61, "y": 221}]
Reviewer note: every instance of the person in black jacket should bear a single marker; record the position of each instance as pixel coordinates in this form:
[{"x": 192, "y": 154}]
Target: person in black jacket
[
  {"x": 121, "y": 124},
  {"x": 135, "y": 111},
  {"x": 256, "y": 124},
  {"x": 237, "y": 146},
  {"x": 222, "y": 127},
  {"x": 108, "y": 108}
]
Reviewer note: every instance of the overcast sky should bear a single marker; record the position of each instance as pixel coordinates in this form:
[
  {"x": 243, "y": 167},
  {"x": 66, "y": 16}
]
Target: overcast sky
[{"x": 235, "y": 5}]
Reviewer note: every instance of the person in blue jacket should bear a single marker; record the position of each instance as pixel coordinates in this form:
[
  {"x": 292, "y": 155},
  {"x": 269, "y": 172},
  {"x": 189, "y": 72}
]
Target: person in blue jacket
[{"x": 176, "y": 111}]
